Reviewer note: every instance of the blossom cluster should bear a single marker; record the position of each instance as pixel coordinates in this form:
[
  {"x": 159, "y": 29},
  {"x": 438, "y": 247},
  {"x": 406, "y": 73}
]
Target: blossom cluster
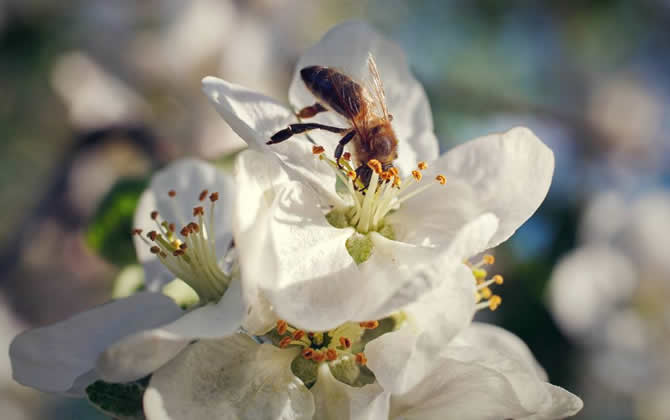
[{"x": 317, "y": 297}]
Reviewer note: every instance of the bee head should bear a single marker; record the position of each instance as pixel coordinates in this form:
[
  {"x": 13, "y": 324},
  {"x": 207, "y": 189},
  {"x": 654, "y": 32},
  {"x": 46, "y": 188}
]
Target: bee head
[{"x": 384, "y": 143}]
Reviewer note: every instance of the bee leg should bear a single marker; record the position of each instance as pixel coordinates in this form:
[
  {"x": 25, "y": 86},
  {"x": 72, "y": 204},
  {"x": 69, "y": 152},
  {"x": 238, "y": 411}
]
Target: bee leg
[
  {"x": 364, "y": 173},
  {"x": 339, "y": 150},
  {"x": 310, "y": 111},
  {"x": 292, "y": 129}
]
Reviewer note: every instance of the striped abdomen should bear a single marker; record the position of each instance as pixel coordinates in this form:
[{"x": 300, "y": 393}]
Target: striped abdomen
[{"x": 334, "y": 89}]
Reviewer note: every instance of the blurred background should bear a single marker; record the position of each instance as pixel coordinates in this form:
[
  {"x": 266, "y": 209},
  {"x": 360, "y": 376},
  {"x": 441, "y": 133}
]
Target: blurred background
[{"x": 96, "y": 94}]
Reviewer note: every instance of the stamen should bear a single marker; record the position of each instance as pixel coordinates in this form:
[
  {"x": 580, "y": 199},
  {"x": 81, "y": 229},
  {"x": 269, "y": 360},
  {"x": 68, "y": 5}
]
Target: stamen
[
  {"x": 282, "y": 326},
  {"x": 441, "y": 179},
  {"x": 376, "y": 166},
  {"x": 285, "y": 342},
  {"x": 346, "y": 156},
  {"x": 385, "y": 191},
  {"x": 317, "y": 150},
  {"x": 345, "y": 342},
  {"x": 137, "y": 231},
  {"x": 494, "y": 302},
  {"x": 194, "y": 258},
  {"x": 298, "y": 335},
  {"x": 318, "y": 356},
  {"x": 307, "y": 353},
  {"x": 370, "y": 325},
  {"x": 331, "y": 354},
  {"x": 361, "y": 359}
]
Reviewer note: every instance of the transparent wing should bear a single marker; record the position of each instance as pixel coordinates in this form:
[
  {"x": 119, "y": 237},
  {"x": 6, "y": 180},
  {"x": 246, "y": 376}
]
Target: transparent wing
[{"x": 376, "y": 90}]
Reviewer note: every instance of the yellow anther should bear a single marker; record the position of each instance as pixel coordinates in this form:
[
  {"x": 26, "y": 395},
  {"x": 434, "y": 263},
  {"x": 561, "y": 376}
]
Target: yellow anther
[
  {"x": 486, "y": 293},
  {"x": 417, "y": 175},
  {"x": 489, "y": 259},
  {"x": 361, "y": 359},
  {"x": 370, "y": 325},
  {"x": 285, "y": 342},
  {"x": 307, "y": 353},
  {"x": 441, "y": 179},
  {"x": 494, "y": 302},
  {"x": 394, "y": 171},
  {"x": 317, "y": 150},
  {"x": 351, "y": 174},
  {"x": 479, "y": 273},
  {"x": 386, "y": 175},
  {"x": 318, "y": 356},
  {"x": 331, "y": 355},
  {"x": 498, "y": 279},
  {"x": 422, "y": 165},
  {"x": 375, "y": 165}
]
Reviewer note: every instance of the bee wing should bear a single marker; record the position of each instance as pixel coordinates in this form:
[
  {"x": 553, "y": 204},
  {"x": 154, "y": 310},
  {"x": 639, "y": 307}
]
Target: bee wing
[{"x": 376, "y": 89}]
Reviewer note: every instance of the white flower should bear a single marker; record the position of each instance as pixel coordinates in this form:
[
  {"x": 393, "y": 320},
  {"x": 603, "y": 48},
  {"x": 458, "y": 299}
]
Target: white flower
[
  {"x": 331, "y": 256},
  {"x": 129, "y": 338},
  {"x": 236, "y": 377},
  {"x": 433, "y": 366}
]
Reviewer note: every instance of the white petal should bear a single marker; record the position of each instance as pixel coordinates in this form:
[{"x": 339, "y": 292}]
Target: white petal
[
  {"x": 416, "y": 270},
  {"x": 558, "y": 405},
  {"x": 346, "y": 47},
  {"x": 403, "y": 357},
  {"x": 140, "y": 354},
  {"x": 336, "y": 400},
  {"x": 587, "y": 285},
  {"x": 187, "y": 177},
  {"x": 477, "y": 383},
  {"x": 490, "y": 336},
  {"x": 255, "y": 118},
  {"x": 232, "y": 378},
  {"x": 252, "y": 115},
  {"x": 507, "y": 174},
  {"x": 52, "y": 358}
]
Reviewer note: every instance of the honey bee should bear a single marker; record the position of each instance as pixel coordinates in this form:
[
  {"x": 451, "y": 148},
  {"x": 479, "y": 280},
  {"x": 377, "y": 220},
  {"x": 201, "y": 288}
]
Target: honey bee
[{"x": 370, "y": 128}]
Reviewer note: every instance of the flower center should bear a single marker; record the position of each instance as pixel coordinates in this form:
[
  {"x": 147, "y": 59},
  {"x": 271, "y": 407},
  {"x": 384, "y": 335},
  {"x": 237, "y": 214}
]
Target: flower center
[
  {"x": 192, "y": 258},
  {"x": 484, "y": 296},
  {"x": 341, "y": 348},
  {"x": 385, "y": 192}
]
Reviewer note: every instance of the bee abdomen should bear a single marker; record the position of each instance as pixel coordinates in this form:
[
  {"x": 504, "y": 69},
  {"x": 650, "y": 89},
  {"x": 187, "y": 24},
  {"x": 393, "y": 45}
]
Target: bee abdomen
[{"x": 335, "y": 89}]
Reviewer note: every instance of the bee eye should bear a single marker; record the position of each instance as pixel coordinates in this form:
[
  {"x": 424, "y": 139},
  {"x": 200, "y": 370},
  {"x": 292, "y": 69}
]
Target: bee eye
[{"x": 383, "y": 145}]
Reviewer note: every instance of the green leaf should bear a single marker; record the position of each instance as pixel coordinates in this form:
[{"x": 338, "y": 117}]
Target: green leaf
[
  {"x": 109, "y": 231},
  {"x": 120, "y": 401}
]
